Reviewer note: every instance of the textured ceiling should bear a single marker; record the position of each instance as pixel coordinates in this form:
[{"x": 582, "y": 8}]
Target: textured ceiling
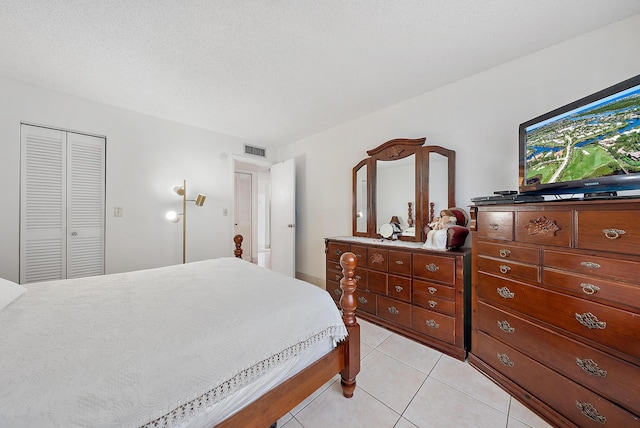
[{"x": 273, "y": 71}]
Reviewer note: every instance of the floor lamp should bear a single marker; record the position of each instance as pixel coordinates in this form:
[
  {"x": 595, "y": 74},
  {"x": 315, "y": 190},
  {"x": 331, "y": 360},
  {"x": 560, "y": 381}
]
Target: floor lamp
[{"x": 175, "y": 217}]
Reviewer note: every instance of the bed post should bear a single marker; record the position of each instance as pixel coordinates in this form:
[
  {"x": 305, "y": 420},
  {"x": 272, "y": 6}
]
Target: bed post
[
  {"x": 238, "y": 251},
  {"x": 348, "y": 304}
]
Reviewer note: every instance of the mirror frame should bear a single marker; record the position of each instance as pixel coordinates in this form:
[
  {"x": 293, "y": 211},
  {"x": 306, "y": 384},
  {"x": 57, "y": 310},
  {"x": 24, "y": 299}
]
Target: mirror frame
[
  {"x": 395, "y": 149},
  {"x": 354, "y": 181}
]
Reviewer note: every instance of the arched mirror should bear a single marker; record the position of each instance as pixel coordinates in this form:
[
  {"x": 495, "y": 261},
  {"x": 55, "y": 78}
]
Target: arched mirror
[
  {"x": 440, "y": 183},
  {"x": 395, "y": 190},
  {"x": 402, "y": 183}
]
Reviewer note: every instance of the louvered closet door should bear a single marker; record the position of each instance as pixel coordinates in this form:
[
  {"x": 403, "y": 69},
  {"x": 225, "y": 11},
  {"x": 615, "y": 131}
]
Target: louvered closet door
[
  {"x": 85, "y": 207},
  {"x": 62, "y": 205}
]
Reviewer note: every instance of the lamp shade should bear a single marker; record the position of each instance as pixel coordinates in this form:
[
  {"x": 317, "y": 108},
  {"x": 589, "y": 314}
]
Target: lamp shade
[
  {"x": 178, "y": 190},
  {"x": 173, "y": 216},
  {"x": 200, "y": 199}
]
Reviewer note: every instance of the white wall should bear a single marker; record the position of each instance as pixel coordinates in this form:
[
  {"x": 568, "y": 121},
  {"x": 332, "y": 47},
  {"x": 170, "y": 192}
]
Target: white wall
[
  {"x": 478, "y": 117},
  {"x": 146, "y": 157}
]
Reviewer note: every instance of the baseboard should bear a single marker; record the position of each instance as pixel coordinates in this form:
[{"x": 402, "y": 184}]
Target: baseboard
[{"x": 311, "y": 279}]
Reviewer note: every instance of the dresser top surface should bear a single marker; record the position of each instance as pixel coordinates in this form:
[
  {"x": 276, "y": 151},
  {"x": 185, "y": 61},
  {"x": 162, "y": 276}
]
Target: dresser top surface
[
  {"x": 575, "y": 204},
  {"x": 406, "y": 245}
]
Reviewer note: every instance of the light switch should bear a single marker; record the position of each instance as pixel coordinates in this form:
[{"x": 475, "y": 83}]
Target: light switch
[{"x": 117, "y": 211}]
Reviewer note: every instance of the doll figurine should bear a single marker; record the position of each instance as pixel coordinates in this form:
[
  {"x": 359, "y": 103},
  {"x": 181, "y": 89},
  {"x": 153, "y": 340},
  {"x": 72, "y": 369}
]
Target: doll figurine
[{"x": 437, "y": 236}]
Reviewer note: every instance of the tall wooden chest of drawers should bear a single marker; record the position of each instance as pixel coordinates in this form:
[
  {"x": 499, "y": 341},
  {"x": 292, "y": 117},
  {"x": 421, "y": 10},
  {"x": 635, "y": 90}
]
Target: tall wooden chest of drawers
[
  {"x": 556, "y": 307},
  {"x": 421, "y": 294}
]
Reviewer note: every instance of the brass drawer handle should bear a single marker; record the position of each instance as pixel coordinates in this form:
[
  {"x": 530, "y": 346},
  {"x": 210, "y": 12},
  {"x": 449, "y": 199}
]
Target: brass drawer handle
[
  {"x": 432, "y": 267},
  {"x": 590, "y": 321},
  {"x": 363, "y": 300},
  {"x": 591, "y": 412},
  {"x": 613, "y": 233},
  {"x": 494, "y": 226},
  {"x": 504, "y": 252},
  {"x": 337, "y": 291},
  {"x": 504, "y": 269},
  {"x": 589, "y": 288},
  {"x": 432, "y": 324},
  {"x": 590, "y": 265},
  {"x": 399, "y": 288},
  {"x": 505, "y": 293},
  {"x": 432, "y": 304},
  {"x": 393, "y": 311},
  {"x": 338, "y": 277},
  {"x": 432, "y": 290},
  {"x": 338, "y": 252},
  {"x": 337, "y": 267},
  {"x": 357, "y": 277},
  {"x": 506, "y": 327},
  {"x": 504, "y": 359},
  {"x": 590, "y": 366},
  {"x": 399, "y": 262},
  {"x": 359, "y": 256}
]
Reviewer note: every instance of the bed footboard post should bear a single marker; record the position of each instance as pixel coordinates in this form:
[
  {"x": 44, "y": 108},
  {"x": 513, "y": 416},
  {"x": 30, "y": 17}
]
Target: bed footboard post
[
  {"x": 238, "y": 251},
  {"x": 348, "y": 305}
]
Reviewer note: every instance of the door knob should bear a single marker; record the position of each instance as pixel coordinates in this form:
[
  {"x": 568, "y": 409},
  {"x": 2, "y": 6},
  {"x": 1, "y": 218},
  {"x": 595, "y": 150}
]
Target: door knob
[{"x": 291, "y": 225}]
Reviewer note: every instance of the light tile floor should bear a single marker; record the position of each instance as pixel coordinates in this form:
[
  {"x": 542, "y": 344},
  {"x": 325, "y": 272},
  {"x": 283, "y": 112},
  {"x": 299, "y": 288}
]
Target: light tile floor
[{"x": 403, "y": 384}]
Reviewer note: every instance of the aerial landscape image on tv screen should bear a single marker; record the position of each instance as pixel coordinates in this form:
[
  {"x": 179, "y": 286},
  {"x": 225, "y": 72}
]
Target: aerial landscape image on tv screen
[{"x": 598, "y": 140}]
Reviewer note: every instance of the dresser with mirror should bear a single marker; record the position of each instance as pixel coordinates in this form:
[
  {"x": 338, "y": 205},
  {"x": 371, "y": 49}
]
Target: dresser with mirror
[{"x": 419, "y": 293}]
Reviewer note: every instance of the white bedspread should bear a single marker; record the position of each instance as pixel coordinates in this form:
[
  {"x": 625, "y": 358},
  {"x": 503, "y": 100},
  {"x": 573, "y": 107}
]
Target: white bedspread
[{"x": 151, "y": 347}]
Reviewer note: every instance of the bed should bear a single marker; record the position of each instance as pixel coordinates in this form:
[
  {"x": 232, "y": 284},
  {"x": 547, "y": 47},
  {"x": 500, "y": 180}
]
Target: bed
[{"x": 149, "y": 349}]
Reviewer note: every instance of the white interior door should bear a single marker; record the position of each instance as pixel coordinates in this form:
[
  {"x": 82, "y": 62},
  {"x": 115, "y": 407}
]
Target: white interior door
[
  {"x": 43, "y": 204},
  {"x": 61, "y": 204},
  {"x": 85, "y": 208},
  {"x": 242, "y": 212},
  {"x": 283, "y": 217}
]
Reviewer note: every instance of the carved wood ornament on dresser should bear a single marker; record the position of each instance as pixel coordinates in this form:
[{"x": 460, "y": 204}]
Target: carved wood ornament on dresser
[
  {"x": 556, "y": 307},
  {"x": 413, "y": 291}
]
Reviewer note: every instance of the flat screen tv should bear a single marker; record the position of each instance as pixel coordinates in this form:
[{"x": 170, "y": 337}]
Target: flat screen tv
[{"x": 589, "y": 147}]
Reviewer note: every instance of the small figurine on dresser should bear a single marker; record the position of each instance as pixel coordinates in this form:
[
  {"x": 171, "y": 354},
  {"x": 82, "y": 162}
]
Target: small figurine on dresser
[{"x": 437, "y": 236}]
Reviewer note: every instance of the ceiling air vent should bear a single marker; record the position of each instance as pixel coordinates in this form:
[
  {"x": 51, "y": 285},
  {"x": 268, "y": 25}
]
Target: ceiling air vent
[{"x": 255, "y": 151}]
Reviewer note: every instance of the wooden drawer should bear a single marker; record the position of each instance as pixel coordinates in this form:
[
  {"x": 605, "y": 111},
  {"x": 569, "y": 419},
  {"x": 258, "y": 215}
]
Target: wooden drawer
[
  {"x": 359, "y": 275},
  {"x": 505, "y": 251},
  {"x": 447, "y": 307},
  {"x": 439, "y": 326},
  {"x": 394, "y": 310},
  {"x": 366, "y": 301},
  {"x": 335, "y": 250},
  {"x": 333, "y": 275},
  {"x": 378, "y": 259},
  {"x": 606, "y": 375},
  {"x": 548, "y": 228},
  {"x": 611, "y": 327},
  {"x": 433, "y": 289},
  {"x": 615, "y": 231},
  {"x": 333, "y": 288},
  {"x": 509, "y": 269},
  {"x": 399, "y": 287},
  {"x": 568, "y": 398},
  {"x": 361, "y": 255},
  {"x": 434, "y": 268},
  {"x": 334, "y": 266},
  {"x": 400, "y": 262},
  {"x": 376, "y": 282},
  {"x": 585, "y": 264},
  {"x": 495, "y": 225},
  {"x": 594, "y": 288}
]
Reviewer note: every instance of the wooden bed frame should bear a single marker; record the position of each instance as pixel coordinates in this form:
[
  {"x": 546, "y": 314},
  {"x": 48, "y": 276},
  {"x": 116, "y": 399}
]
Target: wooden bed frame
[{"x": 344, "y": 359}]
